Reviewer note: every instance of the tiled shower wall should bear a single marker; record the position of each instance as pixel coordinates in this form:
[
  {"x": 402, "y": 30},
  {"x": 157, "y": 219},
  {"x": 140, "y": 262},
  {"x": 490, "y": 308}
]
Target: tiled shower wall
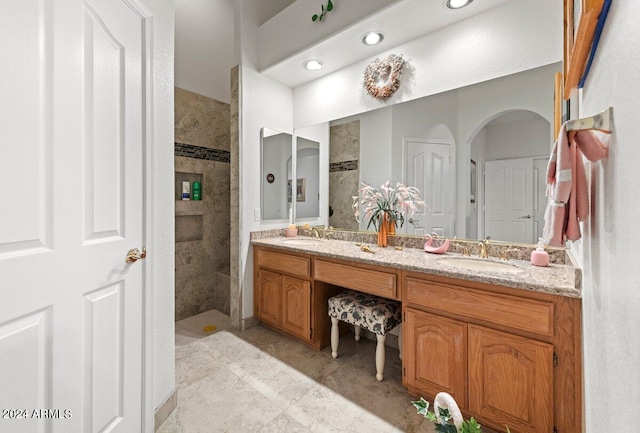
[
  {"x": 201, "y": 152},
  {"x": 344, "y": 174}
]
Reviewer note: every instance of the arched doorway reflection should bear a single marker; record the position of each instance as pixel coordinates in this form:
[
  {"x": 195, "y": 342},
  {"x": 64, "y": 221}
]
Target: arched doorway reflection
[{"x": 509, "y": 155}]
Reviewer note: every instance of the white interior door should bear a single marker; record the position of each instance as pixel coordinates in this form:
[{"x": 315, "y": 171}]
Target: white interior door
[
  {"x": 71, "y": 206},
  {"x": 428, "y": 167},
  {"x": 509, "y": 200}
]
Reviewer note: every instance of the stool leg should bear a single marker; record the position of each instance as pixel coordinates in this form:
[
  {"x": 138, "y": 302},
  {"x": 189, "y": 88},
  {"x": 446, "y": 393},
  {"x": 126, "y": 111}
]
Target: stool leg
[
  {"x": 380, "y": 356},
  {"x": 356, "y": 331},
  {"x": 400, "y": 341},
  {"x": 335, "y": 337}
]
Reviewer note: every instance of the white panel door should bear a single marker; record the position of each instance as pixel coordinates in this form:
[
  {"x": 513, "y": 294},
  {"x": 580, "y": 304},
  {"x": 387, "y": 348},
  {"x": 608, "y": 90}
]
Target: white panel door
[
  {"x": 509, "y": 196},
  {"x": 428, "y": 167},
  {"x": 71, "y": 206}
]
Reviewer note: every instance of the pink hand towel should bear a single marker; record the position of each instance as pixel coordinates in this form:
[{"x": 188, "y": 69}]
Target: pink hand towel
[{"x": 567, "y": 187}]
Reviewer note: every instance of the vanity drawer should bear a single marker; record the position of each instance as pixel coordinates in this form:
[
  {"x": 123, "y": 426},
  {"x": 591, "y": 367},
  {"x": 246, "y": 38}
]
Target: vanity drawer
[
  {"x": 364, "y": 280},
  {"x": 527, "y": 315},
  {"x": 287, "y": 263}
]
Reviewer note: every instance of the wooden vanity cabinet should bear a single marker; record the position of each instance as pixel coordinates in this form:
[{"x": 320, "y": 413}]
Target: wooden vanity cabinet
[
  {"x": 435, "y": 354},
  {"x": 282, "y": 296},
  {"x": 269, "y": 297},
  {"x": 509, "y": 357},
  {"x": 285, "y": 302},
  {"x": 287, "y": 298},
  {"x": 296, "y": 307}
]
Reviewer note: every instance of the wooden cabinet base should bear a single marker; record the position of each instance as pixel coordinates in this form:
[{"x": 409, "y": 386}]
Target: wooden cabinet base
[{"x": 509, "y": 357}]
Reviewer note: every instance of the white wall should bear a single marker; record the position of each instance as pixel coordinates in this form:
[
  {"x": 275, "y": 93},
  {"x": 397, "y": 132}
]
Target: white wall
[
  {"x": 517, "y": 140},
  {"x": 162, "y": 237},
  {"x": 609, "y": 249},
  {"x": 264, "y": 103},
  {"x": 515, "y": 37},
  {"x": 204, "y": 47}
]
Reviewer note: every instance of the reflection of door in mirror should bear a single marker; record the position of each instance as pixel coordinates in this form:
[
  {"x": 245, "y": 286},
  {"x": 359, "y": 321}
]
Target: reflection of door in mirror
[
  {"x": 308, "y": 178},
  {"x": 513, "y": 186},
  {"x": 276, "y": 155},
  {"x": 428, "y": 168}
]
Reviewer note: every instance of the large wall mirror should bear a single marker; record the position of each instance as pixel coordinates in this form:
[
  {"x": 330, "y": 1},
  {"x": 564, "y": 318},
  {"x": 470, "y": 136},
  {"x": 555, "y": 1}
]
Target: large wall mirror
[
  {"x": 478, "y": 154},
  {"x": 290, "y": 185},
  {"x": 277, "y": 170}
]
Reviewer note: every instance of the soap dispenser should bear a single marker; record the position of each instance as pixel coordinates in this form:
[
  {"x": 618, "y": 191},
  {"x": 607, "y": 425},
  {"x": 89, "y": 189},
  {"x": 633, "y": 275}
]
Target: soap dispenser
[{"x": 539, "y": 257}]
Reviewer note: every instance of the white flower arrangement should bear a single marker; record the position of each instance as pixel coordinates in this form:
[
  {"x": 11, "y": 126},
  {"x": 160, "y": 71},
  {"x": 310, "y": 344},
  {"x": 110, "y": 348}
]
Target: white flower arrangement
[{"x": 397, "y": 203}]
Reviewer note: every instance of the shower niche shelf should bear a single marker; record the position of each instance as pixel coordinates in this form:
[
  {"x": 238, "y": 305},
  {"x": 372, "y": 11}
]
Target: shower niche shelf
[{"x": 180, "y": 177}]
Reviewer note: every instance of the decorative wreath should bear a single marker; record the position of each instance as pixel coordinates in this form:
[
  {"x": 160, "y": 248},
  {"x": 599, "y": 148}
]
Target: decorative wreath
[{"x": 382, "y": 77}]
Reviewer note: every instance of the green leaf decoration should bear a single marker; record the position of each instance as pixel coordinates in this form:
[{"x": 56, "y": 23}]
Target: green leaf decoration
[
  {"x": 471, "y": 426},
  {"x": 422, "y": 405},
  {"x": 323, "y": 11},
  {"x": 442, "y": 422}
]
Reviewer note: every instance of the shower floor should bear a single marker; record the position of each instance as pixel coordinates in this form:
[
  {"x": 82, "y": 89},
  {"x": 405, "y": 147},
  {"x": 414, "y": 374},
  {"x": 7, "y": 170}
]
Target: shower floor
[{"x": 192, "y": 328}]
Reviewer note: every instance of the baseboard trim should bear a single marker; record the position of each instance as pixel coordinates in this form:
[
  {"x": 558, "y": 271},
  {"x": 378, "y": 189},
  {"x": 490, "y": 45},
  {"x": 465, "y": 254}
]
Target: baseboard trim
[
  {"x": 249, "y": 322},
  {"x": 164, "y": 410}
]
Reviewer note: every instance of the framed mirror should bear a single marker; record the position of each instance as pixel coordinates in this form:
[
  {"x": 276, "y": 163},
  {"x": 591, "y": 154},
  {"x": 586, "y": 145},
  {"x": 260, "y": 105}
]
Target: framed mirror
[{"x": 276, "y": 171}]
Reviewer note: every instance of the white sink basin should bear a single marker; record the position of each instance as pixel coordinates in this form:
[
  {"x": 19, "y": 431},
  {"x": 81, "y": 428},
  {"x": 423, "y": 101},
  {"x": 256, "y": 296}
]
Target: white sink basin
[
  {"x": 302, "y": 241},
  {"x": 480, "y": 265}
]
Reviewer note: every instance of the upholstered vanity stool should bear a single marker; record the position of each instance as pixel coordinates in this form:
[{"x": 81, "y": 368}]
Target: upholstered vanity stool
[{"x": 373, "y": 313}]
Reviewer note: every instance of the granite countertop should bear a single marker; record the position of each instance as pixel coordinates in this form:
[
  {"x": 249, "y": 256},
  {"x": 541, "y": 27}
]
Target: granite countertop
[{"x": 556, "y": 279}]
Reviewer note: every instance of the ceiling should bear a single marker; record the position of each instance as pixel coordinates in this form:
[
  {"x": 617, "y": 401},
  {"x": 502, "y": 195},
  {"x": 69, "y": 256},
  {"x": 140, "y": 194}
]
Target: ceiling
[
  {"x": 401, "y": 22},
  {"x": 267, "y": 9}
]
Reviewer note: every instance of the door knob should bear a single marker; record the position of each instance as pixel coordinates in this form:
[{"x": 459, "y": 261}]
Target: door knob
[
  {"x": 412, "y": 221},
  {"x": 526, "y": 217},
  {"x": 135, "y": 254}
]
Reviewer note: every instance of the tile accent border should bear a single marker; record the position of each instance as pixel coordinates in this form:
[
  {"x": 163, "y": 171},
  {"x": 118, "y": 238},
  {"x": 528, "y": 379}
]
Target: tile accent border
[
  {"x": 164, "y": 410},
  {"x": 199, "y": 152},
  {"x": 343, "y": 166}
]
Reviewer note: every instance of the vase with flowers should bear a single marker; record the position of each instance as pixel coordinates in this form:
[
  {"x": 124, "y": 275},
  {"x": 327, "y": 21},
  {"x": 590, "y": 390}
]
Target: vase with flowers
[{"x": 385, "y": 207}]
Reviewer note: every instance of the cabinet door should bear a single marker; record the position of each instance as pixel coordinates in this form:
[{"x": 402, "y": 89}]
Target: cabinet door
[
  {"x": 435, "y": 354},
  {"x": 296, "y": 306},
  {"x": 270, "y": 297},
  {"x": 511, "y": 380}
]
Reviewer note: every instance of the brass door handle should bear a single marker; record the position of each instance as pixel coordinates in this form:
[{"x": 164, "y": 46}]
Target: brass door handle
[{"x": 135, "y": 254}]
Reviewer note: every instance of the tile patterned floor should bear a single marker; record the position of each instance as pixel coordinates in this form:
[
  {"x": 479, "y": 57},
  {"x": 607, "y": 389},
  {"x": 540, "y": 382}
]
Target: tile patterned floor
[
  {"x": 261, "y": 381},
  {"x": 192, "y": 328}
]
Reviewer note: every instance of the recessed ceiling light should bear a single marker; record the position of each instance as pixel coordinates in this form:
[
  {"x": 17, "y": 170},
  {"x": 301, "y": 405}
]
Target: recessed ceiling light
[
  {"x": 313, "y": 65},
  {"x": 372, "y": 38},
  {"x": 457, "y": 4}
]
